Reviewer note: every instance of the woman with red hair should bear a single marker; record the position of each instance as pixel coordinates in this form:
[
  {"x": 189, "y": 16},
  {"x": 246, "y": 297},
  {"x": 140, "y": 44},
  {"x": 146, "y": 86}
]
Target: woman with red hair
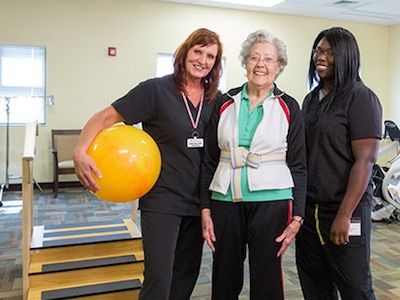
[{"x": 174, "y": 110}]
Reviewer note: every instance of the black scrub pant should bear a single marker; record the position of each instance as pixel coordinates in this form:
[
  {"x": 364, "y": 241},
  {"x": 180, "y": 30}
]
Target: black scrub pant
[
  {"x": 324, "y": 268},
  {"x": 172, "y": 255},
  {"x": 255, "y": 225}
]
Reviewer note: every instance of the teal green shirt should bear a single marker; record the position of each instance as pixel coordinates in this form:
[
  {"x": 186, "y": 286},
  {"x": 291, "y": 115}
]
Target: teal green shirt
[{"x": 248, "y": 122}]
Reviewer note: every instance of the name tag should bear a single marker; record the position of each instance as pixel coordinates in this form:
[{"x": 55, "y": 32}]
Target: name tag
[
  {"x": 195, "y": 142},
  {"x": 355, "y": 227}
]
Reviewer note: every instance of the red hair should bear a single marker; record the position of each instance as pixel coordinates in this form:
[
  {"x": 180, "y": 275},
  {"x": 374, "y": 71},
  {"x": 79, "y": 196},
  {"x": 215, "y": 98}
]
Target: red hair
[{"x": 202, "y": 37}]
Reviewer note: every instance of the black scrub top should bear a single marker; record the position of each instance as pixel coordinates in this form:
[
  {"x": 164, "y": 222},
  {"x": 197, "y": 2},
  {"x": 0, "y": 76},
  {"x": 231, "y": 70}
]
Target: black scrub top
[
  {"x": 331, "y": 126},
  {"x": 158, "y": 104}
]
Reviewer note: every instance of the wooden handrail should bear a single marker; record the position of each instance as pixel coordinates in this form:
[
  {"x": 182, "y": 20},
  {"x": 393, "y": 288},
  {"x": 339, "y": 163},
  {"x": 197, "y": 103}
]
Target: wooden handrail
[{"x": 31, "y": 131}]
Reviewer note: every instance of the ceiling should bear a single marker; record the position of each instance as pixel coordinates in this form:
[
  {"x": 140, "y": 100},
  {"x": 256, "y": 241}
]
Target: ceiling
[{"x": 384, "y": 12}]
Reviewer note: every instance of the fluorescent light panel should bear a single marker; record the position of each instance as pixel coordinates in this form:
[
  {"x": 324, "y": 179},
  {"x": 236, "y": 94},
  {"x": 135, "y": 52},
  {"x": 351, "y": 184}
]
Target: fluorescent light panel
[{"x": 260, "y": 3}]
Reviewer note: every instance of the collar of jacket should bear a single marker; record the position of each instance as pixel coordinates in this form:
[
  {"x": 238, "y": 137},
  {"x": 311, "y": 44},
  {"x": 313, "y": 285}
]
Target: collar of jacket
[{"x": 233, "y": 92}]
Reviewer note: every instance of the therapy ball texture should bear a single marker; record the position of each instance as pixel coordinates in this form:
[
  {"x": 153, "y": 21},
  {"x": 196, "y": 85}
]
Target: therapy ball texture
[{"x": 129, "y": 161}]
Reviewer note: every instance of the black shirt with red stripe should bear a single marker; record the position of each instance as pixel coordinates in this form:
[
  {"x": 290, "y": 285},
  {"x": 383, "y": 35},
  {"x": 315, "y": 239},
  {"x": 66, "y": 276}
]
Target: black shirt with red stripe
[{"x": 295, "y": 155}]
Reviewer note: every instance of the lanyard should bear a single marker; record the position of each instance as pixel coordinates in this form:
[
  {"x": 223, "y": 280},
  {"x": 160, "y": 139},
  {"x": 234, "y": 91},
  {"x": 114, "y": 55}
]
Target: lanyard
[{"x": 194, "y": 123}]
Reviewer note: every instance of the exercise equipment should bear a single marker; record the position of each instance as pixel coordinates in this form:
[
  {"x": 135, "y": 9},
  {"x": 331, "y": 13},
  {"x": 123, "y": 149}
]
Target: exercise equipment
[
  {"x": 129, "y": 161},
  {"x": 100, "y": 259},
  {"x": 7, "y": 174},
  {"x": 386, "y": 179}
]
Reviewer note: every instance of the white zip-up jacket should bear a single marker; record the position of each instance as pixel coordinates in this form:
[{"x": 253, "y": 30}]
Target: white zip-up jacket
[{"x": 276, "y": 158}]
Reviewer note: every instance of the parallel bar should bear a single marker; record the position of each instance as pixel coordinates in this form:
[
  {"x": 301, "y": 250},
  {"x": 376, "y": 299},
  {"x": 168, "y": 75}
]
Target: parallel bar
[{"x": 31, "y": 131}]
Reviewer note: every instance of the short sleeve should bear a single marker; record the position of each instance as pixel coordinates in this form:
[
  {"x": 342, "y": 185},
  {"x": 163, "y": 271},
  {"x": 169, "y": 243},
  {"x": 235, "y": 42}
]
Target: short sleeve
[
  {"x": 137, "y": 105},
  {"x": 365, "y": 115}
]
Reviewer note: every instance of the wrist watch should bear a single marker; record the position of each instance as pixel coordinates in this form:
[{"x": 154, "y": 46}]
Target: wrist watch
[{"x": 298, "y": 219}]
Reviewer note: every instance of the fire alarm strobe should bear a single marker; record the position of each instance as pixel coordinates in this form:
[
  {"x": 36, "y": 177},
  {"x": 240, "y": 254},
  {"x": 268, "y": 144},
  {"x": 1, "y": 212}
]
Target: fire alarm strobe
[{"x": 112, "y": 51}]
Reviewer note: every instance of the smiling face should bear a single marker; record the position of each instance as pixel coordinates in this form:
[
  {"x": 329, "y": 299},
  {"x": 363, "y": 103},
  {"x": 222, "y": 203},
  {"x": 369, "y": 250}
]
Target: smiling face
[
  {"x": 199, "y": 61},
  {"x": 262, "y": 66},
  {"x": 324, "y": 61}
]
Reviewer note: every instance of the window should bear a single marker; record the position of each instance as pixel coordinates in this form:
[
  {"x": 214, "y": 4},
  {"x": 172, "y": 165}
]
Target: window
[
  {"x": 165, "y": 65},
  {"x": 22, "y": 84}
]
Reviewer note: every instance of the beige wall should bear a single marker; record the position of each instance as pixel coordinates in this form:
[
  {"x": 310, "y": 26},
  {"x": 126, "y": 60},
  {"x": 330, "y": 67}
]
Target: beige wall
[
  {"x": 393, "y": 105},
  {"x": 84, "y": 79}
]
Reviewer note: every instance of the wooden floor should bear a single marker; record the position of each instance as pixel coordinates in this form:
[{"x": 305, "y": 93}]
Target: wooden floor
[{"x": 76, "y": 206}]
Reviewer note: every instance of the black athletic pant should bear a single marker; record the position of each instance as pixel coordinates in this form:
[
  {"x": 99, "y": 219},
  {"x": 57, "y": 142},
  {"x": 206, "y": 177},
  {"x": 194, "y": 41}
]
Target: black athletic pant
[
  {"x": 252, "y": 224},
  {"x": 325, "y": 268},
  {"x": 172, "y": 255}
]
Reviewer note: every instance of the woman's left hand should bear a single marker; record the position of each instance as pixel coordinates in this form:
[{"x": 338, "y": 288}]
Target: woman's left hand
[
  {"x": 339, "y": 234},
  {"x": 288, "y": 236},
  {"x": 208, "y": 228}
]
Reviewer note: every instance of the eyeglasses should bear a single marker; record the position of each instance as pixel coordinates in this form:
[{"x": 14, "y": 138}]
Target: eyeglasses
[
  {"x": 255, "y": 59},
  {"x": 318, "y": 52}
]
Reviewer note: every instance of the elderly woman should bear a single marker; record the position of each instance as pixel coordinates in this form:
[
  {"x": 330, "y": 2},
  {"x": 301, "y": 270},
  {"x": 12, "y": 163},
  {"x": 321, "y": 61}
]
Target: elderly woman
[{"x": 253, "y": 175}]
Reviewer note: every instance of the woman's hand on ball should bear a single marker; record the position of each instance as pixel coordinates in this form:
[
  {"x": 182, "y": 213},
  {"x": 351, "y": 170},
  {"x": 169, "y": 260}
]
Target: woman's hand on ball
[{"x": 85, "y": 167}]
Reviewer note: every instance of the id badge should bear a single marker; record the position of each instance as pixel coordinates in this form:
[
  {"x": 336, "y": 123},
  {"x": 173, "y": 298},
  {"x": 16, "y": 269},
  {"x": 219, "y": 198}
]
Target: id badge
[
  {"x": 355, "y": 227},
  {"x": 195, "y": 142}
]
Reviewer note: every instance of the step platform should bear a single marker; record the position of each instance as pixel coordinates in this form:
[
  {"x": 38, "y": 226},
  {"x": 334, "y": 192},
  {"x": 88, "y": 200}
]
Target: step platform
[
  {"x": 83, "y": 233},
  {"x": 96, "y": 260},
  {"x": 94, "y": 290}
]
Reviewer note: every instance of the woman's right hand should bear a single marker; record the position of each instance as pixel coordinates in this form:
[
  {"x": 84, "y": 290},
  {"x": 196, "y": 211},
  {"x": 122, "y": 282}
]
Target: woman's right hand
[
  {"x": 208, "y": 228},
  {"x": 85, "y": 167}
]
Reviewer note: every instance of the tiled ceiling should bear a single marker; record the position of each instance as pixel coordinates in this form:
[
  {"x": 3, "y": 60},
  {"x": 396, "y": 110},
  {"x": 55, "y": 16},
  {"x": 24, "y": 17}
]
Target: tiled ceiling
[{"x": 385, "y": 12}]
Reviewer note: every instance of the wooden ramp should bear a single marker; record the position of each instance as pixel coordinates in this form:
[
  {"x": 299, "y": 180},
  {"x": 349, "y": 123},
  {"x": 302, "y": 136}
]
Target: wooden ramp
[{"x": 93, "y": 260}]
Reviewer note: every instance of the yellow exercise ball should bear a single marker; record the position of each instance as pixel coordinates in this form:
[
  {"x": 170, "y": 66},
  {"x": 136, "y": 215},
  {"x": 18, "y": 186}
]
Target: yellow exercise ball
[{"x": 129, "y": 161}]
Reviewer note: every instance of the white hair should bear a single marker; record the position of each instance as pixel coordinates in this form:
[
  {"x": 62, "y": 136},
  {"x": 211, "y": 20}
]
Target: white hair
[{"x": 263, "y": 36}]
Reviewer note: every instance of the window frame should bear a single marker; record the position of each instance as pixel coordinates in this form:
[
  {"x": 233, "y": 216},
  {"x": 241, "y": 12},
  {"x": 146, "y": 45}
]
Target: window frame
[{"x": 16, "y": 94}]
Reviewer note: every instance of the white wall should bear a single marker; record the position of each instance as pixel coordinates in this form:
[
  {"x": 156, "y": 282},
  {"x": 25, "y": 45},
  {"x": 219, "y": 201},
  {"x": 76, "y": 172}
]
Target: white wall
[{"x": 84, "y": 79}]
